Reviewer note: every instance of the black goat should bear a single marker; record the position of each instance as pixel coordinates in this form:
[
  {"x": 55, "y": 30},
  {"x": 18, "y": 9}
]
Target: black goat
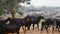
[
  {"x": 3, "y": 22},
  {"x": 36, "y": 20},
  {"x": 48, "y": 22},
  {"x": 14, "y": 26},
  {"x": 57, "y": 24},
  {"x": 27, "y": 22}
]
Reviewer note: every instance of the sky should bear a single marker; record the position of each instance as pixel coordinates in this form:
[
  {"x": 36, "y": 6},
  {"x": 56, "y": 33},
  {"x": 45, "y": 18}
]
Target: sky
[{"x": 43, "y": 3}]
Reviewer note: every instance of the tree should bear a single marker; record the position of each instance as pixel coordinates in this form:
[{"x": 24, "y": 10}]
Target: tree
[{"x": 10, "y": 5}]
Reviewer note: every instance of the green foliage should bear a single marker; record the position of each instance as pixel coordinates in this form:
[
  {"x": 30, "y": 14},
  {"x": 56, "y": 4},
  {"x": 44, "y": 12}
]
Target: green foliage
[
  {"x": 21, "y": 13},
  {"x": 19, "y": 10},
  {"x": 1, "y": 11},
  {"x": 10, "y": 5}
]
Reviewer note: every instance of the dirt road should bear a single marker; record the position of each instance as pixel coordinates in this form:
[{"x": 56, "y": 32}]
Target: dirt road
[{"x": 36, "y": 31}]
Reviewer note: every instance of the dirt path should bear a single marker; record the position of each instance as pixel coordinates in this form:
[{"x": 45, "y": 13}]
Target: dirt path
[{"x": 36, "y": 31}]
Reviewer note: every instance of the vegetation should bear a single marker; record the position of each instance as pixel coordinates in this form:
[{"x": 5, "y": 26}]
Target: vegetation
[{"x": 10, "y": 6}]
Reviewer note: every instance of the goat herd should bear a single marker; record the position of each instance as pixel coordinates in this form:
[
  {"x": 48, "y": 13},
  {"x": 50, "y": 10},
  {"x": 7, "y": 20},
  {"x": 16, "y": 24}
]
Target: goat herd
[{"x": 17, "y": 23}]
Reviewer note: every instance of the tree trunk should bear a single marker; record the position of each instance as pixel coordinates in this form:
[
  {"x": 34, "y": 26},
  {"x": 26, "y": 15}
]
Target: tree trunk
[{"x": 12, "y": 14}]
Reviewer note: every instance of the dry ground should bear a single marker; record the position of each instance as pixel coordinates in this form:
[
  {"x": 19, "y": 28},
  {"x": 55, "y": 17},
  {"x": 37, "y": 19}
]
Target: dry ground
[{"x": 36, "y": 31}]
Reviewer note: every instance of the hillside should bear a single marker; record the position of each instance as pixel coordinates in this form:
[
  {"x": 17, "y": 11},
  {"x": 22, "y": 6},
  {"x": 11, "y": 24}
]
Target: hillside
[{"x": 46, "y": 11}]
